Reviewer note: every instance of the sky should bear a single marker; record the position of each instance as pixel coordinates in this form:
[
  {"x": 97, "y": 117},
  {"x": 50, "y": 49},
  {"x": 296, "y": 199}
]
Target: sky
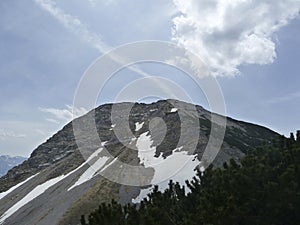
[{"x": 252, "y": 47}]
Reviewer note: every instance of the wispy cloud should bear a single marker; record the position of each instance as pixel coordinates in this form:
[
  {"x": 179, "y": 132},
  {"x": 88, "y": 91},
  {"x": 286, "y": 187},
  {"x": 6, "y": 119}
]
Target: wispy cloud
[
  {"x": 106, "y": 2},
  {"x": 52, "y": 120},
  {"x": 21, "y": 137},
  {"x": 74, "y": 25},
  {"x": 286, "y": 98},
  {"x": 81, "y": 30},
  {"x": 63, "y": 115},
  {"x": 10, "y": 134}
]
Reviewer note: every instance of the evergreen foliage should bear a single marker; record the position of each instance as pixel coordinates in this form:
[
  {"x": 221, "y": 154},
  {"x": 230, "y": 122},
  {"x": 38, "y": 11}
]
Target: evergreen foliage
[{"x": 262, "y": 189}]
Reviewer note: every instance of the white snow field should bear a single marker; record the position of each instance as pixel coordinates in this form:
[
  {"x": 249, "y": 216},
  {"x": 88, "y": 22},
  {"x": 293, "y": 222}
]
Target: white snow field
[
  {"x": 178, "y": 167},
  {"x": 40, "y": 189},
  {"x": 139, "y": 126},
  {"x": 3, "y": 194}
]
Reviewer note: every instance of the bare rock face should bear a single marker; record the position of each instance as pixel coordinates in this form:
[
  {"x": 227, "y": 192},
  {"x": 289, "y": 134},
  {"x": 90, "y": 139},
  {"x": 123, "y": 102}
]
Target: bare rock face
[{"x": 60, "y": 184}]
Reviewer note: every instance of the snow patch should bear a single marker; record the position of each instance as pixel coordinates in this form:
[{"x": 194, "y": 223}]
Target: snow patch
[
  {"x": 146, "y": 151},
  {"x": 95, "y": 154},
  {"x": 143, "y": 194},
  {"x": 132, "y": 140},
  {"x": 174, "y": 110},
  {"x": 179, "y": 167},
  {"x": 108, "y": 165},
  {"x": 112, "y": 126},
  {"x": 3, "y": 194},
  {"x": 37, "y": 191},
  {"x": 90, "y": 172},
  {"x": 138, "y": 126},
  {"x": 93, "y": 169}
]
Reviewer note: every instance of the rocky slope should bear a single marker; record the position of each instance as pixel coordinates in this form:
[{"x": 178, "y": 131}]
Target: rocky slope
[
  {"x": 7, "y": 162},
  {"x": 56, "y": 184}
]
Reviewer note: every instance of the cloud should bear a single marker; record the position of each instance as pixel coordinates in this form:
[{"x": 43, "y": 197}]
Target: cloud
[
  {"x": 21, "y": 137},
  {"x": 286, "y": 98},
  {"x": 230, "y": 33},
  {"x": 73, "y": 24},
  {"x": 93, "y": 2},
  {"x": 63, "y": 115},
  {"x": 81, "y": 30},
  {"x": 52, "y": 120},
  {"x": 10, "y": 134},
  {"x": 106, "y": 2}
]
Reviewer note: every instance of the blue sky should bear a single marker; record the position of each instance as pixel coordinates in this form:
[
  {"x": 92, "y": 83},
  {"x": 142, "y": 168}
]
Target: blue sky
[{"x": 46, "y": 45}]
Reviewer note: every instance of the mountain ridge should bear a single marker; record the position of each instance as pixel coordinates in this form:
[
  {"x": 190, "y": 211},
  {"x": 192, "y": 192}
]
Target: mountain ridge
[{"x": 59, "y": 158}]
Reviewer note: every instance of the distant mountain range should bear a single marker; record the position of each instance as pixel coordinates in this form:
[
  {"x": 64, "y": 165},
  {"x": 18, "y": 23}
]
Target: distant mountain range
[
  {"x": 7, "y": 162},
  {"x": 56, "y": 185}
]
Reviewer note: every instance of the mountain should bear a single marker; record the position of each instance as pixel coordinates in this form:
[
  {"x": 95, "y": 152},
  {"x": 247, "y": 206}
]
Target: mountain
[
  {"x": 8, "y": 162},
  {"x": 56, "y": 185},
  {"x": 263, "y": 190}
]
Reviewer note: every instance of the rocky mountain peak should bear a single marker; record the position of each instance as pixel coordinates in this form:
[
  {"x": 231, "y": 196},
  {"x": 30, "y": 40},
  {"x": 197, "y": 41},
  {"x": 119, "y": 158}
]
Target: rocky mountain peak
[{"x": 61, "y": 170}]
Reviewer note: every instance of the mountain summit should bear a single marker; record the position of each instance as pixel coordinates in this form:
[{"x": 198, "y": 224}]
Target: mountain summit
[{"x": 60, "y": 181}]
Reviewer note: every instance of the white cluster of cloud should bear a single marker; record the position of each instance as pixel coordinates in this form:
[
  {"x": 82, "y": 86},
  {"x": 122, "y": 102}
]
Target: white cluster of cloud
[
  {"x": 230, "y": 33},
  {"x": 63, "y": 115}
]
